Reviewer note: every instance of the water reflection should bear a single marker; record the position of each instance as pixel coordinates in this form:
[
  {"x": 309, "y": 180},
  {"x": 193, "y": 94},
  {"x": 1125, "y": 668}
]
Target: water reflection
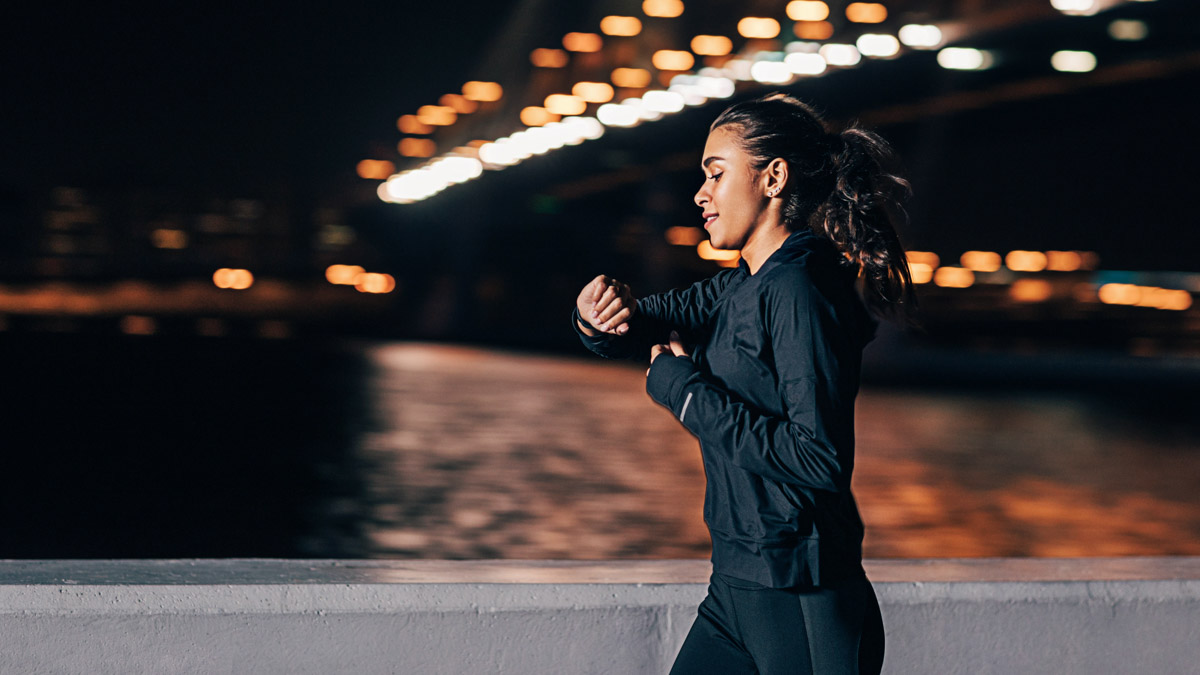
[
  {"x": 137, "y": 447},
  {"x": 483, "y": 454}
]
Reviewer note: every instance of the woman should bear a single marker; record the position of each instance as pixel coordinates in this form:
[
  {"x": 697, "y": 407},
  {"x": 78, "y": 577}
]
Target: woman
[{"x": 769, "y": 384}]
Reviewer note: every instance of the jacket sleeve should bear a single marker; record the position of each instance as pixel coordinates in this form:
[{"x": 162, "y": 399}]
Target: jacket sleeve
[
  {"x": 798, "y": 447},
  {"x": 686, "y": 309}
]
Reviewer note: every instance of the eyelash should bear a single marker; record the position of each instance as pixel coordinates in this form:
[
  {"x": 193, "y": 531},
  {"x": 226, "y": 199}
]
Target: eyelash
[{"x": 715, "y": 177}]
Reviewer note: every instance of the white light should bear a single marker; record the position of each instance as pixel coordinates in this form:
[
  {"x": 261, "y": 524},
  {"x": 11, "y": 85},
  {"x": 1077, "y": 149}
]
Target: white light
[
  {"x": 663, "y": 101},
  {"x": 520, "y": 147},
  {"x": 738, "y": 69},
  {"x": 717, "y": 86},
  {"x": 771, "y": 72},
  {"x": 494, "y": 154},
  {"x": 1128, "y": 29},
  {"x": 644, "y": 112},
  {"x": 805, "y": 64},
  {"x": 878, "y": 45},
  {"x": 688, "y": 86},
  {"x": 804, "y": 47},
  {"x": 524, "y": 145},
  {"x": 588, "y": 128},
  {"x": 538, "y": 140},
  {"x": 1074, "y": 6},
  {"x": 840, "y": 55},
  {"x": 617, "y": 115},
  {"x": 920, "y": 36},
  {"x": 1073, "y": 62},
  {"x": 964, "y": 58},
  {"x": 453, "y": 170}
]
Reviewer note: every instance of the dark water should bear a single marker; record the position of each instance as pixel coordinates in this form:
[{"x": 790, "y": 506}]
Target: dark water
[{"x": 211, "y": 448}]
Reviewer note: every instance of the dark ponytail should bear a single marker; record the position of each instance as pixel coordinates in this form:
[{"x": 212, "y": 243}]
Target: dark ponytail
[{"x": 841, "y": 185}]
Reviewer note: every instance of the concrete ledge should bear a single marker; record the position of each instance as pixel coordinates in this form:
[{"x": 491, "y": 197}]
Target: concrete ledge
[{"x": 301, "y": 616}]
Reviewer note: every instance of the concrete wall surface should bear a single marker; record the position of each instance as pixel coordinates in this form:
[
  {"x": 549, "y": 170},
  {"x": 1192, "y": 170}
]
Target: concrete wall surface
[{"x": 1126, "y": 615}]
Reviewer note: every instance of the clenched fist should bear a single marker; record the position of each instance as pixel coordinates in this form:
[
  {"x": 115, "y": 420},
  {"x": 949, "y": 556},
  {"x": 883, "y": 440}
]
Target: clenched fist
[{"x": 606, "y": 306}]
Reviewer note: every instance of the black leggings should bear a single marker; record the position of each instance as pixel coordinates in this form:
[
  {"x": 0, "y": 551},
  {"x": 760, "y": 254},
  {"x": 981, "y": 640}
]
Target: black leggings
[{"x": 743, "y": 627}]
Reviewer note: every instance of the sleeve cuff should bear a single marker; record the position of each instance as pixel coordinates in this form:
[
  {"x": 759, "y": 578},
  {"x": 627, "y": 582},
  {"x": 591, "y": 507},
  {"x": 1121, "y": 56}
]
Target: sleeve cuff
[{"x": 668, "y": 374}]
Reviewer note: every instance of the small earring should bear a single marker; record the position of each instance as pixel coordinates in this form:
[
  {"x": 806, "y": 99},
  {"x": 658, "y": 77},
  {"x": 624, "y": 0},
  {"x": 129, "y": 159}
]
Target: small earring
[{"x": 772, "y": 193}]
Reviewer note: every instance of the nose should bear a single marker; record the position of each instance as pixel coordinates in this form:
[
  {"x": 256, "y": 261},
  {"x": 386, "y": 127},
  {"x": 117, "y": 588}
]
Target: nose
[{"x": 701, "y": 197}]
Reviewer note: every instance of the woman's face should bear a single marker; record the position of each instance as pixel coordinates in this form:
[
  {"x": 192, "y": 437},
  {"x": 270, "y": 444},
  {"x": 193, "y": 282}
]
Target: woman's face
[{"x": 733, "y": 196}]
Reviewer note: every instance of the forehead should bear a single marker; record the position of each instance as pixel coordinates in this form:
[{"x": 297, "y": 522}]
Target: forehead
[{"x": 723, "y": 142}]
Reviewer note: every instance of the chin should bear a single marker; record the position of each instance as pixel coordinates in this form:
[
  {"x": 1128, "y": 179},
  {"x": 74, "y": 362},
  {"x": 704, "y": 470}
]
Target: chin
[{"x": 722, "y": 245}]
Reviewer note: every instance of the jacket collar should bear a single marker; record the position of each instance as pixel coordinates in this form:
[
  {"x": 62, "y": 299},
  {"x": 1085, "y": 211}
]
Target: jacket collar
[{"x": 799, "y": 245}]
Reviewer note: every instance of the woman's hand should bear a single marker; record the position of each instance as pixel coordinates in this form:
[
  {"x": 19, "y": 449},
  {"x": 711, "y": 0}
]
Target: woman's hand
[
  {"x": 606, "y": 305},
  {"x": 674, "y": 348}
]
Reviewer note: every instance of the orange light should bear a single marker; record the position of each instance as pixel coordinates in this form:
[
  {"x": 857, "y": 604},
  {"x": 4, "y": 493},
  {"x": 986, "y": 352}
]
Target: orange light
[
  {"x": 343, "y": 275},
  {"x": 684, "y": 236},
  {"x": 235, "y": 279},
  {"x": 583, "y": 42},
  {"x": 416, "y": 147},
  {"x": 1025, "y": 261},
  {"x": 565, "y": 104},
  {"x": 537, "y": 116},
  {"x": 1063, "y": 261},
  {"x": 866, "y": 12},
  {"x": 1177, "y": 300},
  {"x": 921, "y": 273},
  {"x": 1030, "y": 290},
  {"x": 593, "y": 92},
  {"x": 706, "y": 251},
  {"x": 482, "y": 91},
  {"x": 712, "y": 45},
  {"x": 758, "y": 27},
  {"x": 437, "y": 115},
  {"x": 953, "y": 277},
  {"x": 461, "y": 104},
  {"x": 813, "y": 30},
  {"x": 138, "y": 325},
  {"x": 374, "y": 282},
  {"x": 375, "y": 169},
  {"x": 980, "y": 261},
  {"x": 620, "y": 25},
  {"x": 663, "y": 8},
  {"x": 632, "y": 78},
  {"x": 168, "y": 238},
  {"x": 801, "y": 10},
  {"x": 1120, "y": 294},
  {"x": 669, "y": 59},
  {"x": 548, "y": 58},
  {"x": 409, "y": 124},
  {"x": 925, "y": 257}
]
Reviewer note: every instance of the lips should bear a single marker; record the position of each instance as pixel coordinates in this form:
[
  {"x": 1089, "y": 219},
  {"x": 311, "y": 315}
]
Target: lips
[{"x": 708, "y": 218}]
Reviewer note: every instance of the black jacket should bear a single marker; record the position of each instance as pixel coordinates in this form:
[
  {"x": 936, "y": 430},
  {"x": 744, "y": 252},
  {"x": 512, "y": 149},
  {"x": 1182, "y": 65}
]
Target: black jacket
[{"x": 769, "y": 392}]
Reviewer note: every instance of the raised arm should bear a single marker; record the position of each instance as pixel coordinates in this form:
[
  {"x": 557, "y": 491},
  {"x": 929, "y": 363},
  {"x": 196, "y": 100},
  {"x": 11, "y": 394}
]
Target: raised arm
[{"x": 614, "y": 324}]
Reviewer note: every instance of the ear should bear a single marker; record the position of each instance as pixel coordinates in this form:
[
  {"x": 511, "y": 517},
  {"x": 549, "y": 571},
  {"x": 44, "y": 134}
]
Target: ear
[{"x": 775, "y": 177}]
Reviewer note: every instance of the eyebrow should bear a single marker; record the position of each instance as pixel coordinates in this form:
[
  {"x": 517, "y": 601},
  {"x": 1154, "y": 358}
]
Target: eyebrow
[{"x": 710, "y": 160}]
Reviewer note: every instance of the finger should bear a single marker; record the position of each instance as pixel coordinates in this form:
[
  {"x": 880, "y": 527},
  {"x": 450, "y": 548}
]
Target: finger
[
  {"x": 606, "y": 297},
  {"x": 597, "y": 287},
  {"x": 677, "y": 345},
  {"x": 600, "y": 305},
  {"x": 617, "y": 321},
  {"x": 611, "y": 311}
]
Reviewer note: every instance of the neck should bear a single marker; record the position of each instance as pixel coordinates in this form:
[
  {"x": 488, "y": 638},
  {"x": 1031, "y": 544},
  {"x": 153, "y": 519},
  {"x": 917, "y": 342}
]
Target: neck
[{"x": 762, "y": 243}]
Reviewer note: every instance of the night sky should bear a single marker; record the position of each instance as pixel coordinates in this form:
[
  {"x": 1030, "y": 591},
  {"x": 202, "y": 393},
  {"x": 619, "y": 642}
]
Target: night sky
[{"x": 155, "y": 94}]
